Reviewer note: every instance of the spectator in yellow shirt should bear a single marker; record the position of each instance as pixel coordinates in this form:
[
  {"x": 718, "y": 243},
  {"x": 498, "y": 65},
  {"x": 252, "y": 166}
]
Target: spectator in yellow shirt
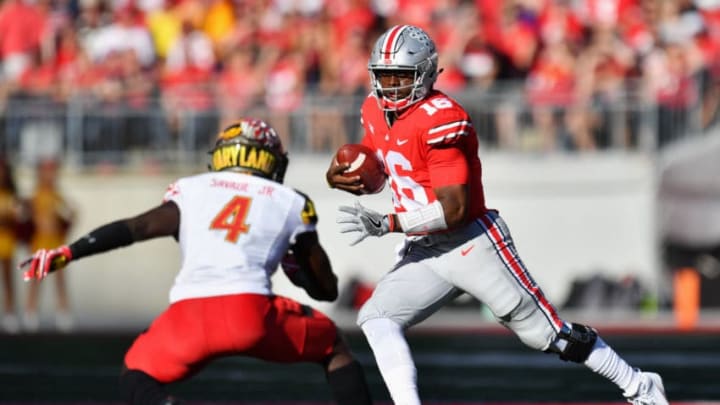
[
  {"x": 9, "y": 215},
  {"x": 52, "y": 217}
]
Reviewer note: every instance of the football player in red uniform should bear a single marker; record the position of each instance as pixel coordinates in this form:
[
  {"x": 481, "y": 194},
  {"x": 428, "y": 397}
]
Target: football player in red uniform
[
  {"x": 235, "y": 225},
  {"x": 453, "y": 242}
]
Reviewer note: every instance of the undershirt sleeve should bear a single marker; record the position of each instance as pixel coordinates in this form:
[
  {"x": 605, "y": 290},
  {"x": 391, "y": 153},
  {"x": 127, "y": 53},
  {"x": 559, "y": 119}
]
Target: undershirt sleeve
[{"x": 163, "y": 220}]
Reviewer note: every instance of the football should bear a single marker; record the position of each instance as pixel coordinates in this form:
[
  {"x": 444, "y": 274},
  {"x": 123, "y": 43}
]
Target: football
[{"x": 364, "y": 163}]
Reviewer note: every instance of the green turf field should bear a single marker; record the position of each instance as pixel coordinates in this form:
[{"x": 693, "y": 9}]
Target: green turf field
[{"x": 452, "y": 368}]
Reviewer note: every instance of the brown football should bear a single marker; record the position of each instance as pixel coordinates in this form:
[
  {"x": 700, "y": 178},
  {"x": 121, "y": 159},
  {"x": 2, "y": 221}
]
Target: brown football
[{"x": 364, "y": 163}]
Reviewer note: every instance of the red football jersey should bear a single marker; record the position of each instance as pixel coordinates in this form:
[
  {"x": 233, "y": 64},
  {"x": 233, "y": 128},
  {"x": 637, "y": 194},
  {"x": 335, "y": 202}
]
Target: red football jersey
[{"x": 431, "y": 144}]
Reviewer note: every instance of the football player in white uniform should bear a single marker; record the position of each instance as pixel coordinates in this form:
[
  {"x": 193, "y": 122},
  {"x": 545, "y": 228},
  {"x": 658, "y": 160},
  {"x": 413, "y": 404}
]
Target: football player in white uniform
[
  {"x": 235, "y": 225},
  {"x": 454, "y": 243}
]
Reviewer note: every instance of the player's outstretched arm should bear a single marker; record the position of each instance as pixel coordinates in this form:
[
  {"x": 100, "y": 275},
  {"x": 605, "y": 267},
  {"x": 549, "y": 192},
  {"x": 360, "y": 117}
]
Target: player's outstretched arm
[
  {"x": 163, "y": 220},
  {"x": 307, "y": 265}
]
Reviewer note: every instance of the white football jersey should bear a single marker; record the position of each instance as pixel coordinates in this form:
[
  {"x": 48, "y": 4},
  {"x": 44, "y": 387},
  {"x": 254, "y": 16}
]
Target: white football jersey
[{"x": 234, "y": 230}]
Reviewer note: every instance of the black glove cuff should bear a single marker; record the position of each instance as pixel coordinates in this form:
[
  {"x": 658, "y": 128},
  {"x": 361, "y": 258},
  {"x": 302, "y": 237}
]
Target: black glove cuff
[{"x": 107, "y": 237}]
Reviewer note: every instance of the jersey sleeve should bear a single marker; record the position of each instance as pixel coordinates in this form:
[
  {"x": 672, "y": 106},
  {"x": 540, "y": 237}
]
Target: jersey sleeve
[
  {"x": 449, "y": 129},
  {"x": 447, "y": 166},
  {"x": 367, "y": 141},
  {"x": 172, "y": 193},
  {"x": 446, "y": 140},
  {"x": 306, "y": 219}
]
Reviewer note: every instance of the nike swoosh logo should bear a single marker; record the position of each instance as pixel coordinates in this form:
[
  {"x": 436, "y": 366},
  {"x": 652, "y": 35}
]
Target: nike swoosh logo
[
  {"x": 464, "y": 252},
  {"x": 376, "y": 224},
  {"x": 402, "y": 142}
]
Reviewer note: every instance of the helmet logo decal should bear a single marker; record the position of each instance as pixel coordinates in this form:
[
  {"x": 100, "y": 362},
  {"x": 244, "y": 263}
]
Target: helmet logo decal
[
  {"x": 231, "y": 132},
  {"x": 391, "y": 40},
  {"x": 247, "y": 156}
]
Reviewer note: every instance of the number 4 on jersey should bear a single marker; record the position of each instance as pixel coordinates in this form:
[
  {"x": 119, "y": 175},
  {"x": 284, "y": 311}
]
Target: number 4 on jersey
[{"x": 232, "y": 218}]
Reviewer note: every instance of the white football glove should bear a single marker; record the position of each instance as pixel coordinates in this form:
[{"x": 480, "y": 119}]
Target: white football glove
[
  {"x": 363, "y": 220},
  {"x": 45, "y": 261}
]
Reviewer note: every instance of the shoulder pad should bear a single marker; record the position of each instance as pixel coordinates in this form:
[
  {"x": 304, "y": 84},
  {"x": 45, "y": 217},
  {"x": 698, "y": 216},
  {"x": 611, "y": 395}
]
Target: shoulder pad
[{"x": 443, "y": 120}]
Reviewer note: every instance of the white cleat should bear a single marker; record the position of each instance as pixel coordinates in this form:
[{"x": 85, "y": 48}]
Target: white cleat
[{"x": 650, "y": 392}]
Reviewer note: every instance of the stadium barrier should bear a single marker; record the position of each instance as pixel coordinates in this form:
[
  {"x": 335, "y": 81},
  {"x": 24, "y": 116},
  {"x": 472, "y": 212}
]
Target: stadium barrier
[{"x": 87, "y": 131}]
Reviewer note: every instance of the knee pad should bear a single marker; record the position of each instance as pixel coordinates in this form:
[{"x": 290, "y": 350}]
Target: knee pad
[{"x": 580, "y": 342}]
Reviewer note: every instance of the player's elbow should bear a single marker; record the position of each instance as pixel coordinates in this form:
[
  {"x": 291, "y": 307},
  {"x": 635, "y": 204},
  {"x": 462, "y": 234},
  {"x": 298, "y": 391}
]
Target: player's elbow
[
  {"x": 455, "y": 213},
  {"x": 454, "y": 203},
  {"x": 327, "y": 292},
  {"x": 455, "y": 217},
  {"x": 328, "y": 296},
  {"x": 330, "y": 289}
]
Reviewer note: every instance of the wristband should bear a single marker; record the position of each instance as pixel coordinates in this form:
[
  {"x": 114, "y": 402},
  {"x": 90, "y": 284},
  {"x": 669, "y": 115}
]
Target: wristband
[{"x": 429, "y": 218}]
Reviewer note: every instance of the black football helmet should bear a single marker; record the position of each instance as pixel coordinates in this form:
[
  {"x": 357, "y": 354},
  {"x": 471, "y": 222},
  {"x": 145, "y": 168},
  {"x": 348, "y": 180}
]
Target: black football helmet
[{"x": 250, "y": 145}]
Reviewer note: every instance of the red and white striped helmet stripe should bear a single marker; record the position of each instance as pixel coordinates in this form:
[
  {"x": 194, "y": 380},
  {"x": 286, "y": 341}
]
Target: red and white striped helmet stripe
[{"x": 390, "y": 43}]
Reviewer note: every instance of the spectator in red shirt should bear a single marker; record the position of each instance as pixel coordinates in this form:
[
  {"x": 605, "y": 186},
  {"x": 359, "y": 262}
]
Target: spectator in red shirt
[
  {"x": 127, "y": 31},
  {"x": 603, "y": 67},
  {"x": 348, "y": 16},
  {"x": 22, "y": 28},
  {"x": 513, "y": 33},
  {"x": 238, "y": 88},
  {"x": 187, "y": 90},
  {"x": 669, "y": 84},
  {"x": 331, "y": 75},
  {"x": 550, "y": 91},
  {"x": 284, "y": 90}
]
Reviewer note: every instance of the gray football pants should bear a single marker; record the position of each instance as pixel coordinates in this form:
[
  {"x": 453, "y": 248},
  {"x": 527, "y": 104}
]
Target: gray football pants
[{"x": 480, "y": 259}]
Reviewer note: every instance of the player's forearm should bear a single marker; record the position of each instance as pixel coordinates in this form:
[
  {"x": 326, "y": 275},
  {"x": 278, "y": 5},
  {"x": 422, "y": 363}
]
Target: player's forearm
[
  {"x": 324, "y": 287},
  {"x": 163, "y": 220},
  {"x": 107, "y": 237}
]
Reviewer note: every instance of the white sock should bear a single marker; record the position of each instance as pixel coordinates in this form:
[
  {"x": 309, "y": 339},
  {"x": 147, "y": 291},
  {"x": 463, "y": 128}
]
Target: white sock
[
  {"x": 394, "y": 360},
  {"x": 606, "y": 362}
]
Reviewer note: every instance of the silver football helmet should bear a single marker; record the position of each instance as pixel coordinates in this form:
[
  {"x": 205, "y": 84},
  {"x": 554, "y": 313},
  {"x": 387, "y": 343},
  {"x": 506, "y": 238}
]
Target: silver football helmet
[{"x": 403, "y": 48}]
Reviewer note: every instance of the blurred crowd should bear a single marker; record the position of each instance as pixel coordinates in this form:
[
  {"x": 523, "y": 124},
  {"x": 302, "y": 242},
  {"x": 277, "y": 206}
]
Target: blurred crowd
[{"x": 570, "y": 61}]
